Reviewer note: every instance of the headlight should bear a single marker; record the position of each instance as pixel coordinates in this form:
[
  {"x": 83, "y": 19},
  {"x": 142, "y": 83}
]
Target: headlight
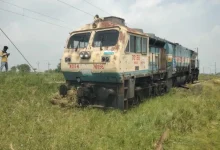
[
  {"x": 85, "y": 55},
  {"x": 81, "y": 54}
]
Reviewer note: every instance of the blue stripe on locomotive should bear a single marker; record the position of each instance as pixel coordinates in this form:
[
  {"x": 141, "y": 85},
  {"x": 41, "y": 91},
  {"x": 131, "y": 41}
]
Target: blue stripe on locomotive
[{"x": 181, "y": 56}]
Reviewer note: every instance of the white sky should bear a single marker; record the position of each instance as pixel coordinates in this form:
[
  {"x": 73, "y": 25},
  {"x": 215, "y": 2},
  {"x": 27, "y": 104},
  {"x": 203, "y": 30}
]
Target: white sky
[{"x": 192, "y": 23}]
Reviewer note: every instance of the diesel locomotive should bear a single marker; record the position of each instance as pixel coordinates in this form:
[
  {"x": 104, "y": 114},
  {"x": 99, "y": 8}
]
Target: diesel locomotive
[{"x": 112, "y": 65}]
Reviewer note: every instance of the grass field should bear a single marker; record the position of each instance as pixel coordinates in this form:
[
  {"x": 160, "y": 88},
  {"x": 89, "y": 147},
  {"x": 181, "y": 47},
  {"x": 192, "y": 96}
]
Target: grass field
[{"x": 28, "y": 121}]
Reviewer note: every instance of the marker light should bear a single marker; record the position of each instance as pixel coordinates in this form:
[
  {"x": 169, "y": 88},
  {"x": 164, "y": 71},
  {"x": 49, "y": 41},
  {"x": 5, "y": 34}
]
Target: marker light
[
  {"x": 103, "y": 59},
  {"x": 107, "y": 59}
]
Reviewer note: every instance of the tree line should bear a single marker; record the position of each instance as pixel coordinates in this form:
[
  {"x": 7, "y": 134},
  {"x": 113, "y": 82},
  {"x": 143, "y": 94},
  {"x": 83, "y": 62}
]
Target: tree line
[{"x": 27, "y": 68}]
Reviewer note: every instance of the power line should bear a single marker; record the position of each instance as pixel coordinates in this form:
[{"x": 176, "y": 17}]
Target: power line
[
  {"x": 17, "y": 49},
  {"x": 33, "y": 18},
  {"x": 31, "y": 11},
  {"x": 75, "y": 8},
  {"x": 96, "y": 7}
]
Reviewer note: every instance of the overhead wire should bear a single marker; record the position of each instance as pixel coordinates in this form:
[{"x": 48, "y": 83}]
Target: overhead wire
[
  {"x": 96, "y": 7},
  {"x": 75, "y": 7},
  {"x": 17, "y": 49},
  {"x": 35, "y": 18},
  {"x": 32, "y": 11}
]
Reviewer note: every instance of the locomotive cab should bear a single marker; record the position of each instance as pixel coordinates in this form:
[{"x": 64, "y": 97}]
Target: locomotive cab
[{"x": 93, "y": 49}]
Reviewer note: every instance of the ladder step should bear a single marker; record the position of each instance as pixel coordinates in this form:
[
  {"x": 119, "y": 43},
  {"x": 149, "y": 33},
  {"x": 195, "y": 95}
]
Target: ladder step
[
  {"x": 125, "y": 88},
  {"x": 125, "y": 99}
]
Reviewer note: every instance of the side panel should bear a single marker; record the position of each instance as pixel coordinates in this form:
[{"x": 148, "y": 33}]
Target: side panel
[
  {"x": 163, "y": 59},
  {"x": 134, "y": 60}
]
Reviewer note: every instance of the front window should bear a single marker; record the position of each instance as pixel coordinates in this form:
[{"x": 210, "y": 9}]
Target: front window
[
  {"x": 105, "y": 38},
  {"x": 80, "y": 40}
]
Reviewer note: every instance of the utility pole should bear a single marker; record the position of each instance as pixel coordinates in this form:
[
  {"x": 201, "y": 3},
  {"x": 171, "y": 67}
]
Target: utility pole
[
  {"x": 38, "y": 63},
  {"x": 215, "y": 68},
  {"x": 48, "y": 66},
  {"x": 203, "y": 70}
]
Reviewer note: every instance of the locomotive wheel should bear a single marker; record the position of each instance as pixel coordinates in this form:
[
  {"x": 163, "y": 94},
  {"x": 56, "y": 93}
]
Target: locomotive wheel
[
  {"x": 83, "y": 102},
  {"x": 136, "y": 100},
  {"x": 192, "y": 80}
]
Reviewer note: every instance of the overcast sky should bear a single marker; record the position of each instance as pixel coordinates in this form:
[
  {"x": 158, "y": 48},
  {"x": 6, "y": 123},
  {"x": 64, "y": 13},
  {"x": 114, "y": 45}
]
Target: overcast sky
[{"x": 192, "y": 23}]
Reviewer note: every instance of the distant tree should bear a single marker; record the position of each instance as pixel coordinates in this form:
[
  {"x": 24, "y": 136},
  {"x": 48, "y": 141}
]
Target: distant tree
[
  {"x": 23, "y": 68},
  {"x": 50, "y": 71},
  {"x": 13, "y": 69},
  {"x": 58, "y": 69}
]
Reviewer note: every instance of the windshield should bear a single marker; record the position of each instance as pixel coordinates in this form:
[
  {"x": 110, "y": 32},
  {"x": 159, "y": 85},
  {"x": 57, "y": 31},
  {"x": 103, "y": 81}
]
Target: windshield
[
  {"x": 79, "y": 40},
  {"x": 105, "y": 38}
]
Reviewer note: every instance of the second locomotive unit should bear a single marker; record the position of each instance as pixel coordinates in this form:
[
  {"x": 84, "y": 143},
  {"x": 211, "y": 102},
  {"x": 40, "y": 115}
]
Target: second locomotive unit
[{"x": 112, "y": 65}]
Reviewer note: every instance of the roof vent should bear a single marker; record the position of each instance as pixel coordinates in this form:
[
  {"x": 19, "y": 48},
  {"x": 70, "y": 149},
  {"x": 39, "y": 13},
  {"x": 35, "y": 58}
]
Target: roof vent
[
  {"x": 115, "y": 20},
  {"x": 140, "y": 30},
  {"x": 151, "y": 34}
]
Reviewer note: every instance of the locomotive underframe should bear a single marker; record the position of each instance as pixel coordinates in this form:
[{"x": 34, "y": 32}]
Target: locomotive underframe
[{"x": 131, "y": 91}]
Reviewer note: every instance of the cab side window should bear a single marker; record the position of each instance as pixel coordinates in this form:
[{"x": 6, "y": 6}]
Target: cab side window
[
  {"x": 144, "y": 46},
  {"x": 132, "y": 43},
  {"x": 137, "y": 44}
]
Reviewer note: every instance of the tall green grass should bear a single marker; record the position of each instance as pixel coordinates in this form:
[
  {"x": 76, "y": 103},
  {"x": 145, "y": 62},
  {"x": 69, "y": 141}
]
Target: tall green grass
[{"x": 29, "y": 121}]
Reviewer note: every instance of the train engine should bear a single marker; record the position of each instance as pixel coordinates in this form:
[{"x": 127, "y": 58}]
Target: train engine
[{"x": 112, "y": 65}]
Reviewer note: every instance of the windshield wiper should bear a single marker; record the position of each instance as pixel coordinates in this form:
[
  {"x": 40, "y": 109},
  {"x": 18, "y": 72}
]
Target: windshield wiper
[
  {"x": 81, "y": 40},
  {"x": 77, "y": 46},
  {"x": 102, "y": 39}
]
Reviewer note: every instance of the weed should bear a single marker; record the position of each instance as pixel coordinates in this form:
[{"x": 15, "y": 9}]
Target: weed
[{"x": 30, "y": 121}]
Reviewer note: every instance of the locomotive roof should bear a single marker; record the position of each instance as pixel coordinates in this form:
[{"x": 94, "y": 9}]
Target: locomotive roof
[
  {"x": 108, "y": 22},
  {"x": 167, "y": 41},
  {"x": 113, "y": 22}
]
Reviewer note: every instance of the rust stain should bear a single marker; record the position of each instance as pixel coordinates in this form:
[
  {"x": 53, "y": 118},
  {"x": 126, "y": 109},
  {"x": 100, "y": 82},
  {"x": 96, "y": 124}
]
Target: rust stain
[
  {"x": 121, "y": 37},
  {"x": 115, "y": 57},
  {"x": 116, "y": 47},
  {"x": 105, "y": 24},
  {"x": 134, "y": 31}
]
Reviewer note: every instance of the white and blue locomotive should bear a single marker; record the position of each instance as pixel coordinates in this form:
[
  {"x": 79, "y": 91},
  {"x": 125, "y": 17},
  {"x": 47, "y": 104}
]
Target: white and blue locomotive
[{"x": 112, "y": 65}]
